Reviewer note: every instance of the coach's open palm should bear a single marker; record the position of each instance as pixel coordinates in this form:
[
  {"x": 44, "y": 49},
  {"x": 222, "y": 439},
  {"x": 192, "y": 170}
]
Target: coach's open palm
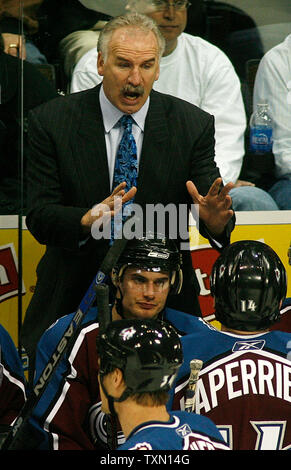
[{"x": 214, "y": 208}]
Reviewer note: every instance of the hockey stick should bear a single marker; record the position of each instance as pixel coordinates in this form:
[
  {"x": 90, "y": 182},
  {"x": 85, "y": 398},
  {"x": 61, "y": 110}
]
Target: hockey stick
[
  {"x": 102, "y": 298},
  {"x": 18, "y": 437},
  {"x": 195, "y": 367},
  {"x": 104, "y": 318}
]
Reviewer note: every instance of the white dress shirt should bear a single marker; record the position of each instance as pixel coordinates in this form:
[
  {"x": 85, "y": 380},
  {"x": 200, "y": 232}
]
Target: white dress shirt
[
  {"x": 273, "y": 86},
  {"x": 114, "y": 131}
]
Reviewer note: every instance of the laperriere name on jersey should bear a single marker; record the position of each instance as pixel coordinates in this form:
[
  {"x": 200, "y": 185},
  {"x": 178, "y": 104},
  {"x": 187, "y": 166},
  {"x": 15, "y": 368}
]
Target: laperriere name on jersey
[{"x": 244, "y": 377}]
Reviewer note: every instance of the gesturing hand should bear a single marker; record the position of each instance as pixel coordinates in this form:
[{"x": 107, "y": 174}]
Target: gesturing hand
[
  {"x": 108, "y": 208},
  {"x": 214, "y": 208}
]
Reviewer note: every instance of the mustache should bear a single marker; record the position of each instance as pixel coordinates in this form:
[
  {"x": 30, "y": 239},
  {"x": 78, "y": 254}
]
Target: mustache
[{"x": 133, "y": 90}]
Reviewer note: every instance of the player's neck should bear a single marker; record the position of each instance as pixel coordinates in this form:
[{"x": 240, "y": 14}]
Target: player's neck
[
  {"x": 242, "y": 333},
  {"x": 131, "y": 415}
]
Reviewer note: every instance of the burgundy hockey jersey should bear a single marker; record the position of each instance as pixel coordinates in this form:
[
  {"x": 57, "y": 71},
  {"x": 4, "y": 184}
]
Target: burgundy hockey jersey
[{"x": 244, "y": 386}]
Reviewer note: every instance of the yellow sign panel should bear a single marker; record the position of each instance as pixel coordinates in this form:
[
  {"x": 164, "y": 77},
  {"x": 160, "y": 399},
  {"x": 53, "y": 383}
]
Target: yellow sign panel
[
  {"x": 273, "y": 228},
  {"x": 13, "y": 307}
]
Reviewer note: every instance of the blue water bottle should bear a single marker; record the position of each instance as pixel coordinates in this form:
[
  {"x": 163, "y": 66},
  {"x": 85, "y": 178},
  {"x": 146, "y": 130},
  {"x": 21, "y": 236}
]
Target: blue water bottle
[{"x": 261, "y": 130}]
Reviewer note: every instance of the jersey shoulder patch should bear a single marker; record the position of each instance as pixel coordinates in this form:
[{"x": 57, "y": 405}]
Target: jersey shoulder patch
[{"x": 141, "y": 446}]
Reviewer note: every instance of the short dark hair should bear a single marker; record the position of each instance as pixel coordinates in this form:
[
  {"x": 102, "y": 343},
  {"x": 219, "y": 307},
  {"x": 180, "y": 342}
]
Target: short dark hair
[{"x": 158, "y": 398}]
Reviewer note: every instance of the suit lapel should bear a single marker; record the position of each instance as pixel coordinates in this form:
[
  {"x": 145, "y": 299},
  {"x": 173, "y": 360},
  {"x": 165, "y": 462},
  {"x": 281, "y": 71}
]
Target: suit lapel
[
  {"x": 155, "y": 157},
  {"x": 89, "y": 149}
]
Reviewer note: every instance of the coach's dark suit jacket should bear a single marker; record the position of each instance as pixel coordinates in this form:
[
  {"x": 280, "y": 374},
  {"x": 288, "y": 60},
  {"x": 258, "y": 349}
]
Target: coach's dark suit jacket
[{"x": 68, "y": 175}]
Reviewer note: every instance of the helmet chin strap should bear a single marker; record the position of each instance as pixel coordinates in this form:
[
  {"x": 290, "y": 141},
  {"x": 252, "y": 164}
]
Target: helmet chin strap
[
  {"x": 118, "y": 304},
  {"x": 111, "y": 399}
]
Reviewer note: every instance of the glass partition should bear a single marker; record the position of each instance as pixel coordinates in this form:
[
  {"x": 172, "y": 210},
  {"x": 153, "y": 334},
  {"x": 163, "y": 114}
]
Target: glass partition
[
  {"x": 38, "y": 29},
  {"x": 12, "y": 156},
  {"x": 41, "y": 44},
  {"x": 24, "y": 84}
]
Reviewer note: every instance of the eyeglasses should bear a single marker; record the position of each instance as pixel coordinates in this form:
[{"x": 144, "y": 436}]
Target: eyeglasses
[{"x": 164, "y": 4}]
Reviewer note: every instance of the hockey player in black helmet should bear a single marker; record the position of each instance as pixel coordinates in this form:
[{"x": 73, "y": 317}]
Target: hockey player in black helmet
[
  {"x": 248, "y": 283},
  {"x": 151, "y": 266},
  {"x": 148, "y": 353},
  {"x": 243, "y": 382},
  {"x": 139, "y": 360}
]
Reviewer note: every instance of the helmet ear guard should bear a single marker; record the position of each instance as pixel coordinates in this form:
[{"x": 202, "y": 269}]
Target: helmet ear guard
[
  {"x": 176, "y": 282},
  {"x": 116, "y": 275}
]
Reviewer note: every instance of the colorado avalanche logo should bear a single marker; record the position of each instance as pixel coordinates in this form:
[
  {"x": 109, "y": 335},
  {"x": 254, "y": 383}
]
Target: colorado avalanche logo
[
  {"x": 127, "y": 333},
  {"x": 277, "y": 274},
  {"x": 196, "y": 441},
  {"x": 221, "y": 270},
  {"x": 98, "y": 429},
  {"x": 142, "y": 446}
]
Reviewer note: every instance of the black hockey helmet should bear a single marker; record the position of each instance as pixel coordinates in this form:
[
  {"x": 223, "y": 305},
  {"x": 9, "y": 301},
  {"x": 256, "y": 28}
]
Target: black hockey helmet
[
  {"x": 148, "y": 352},
  {"x": 248, "y": 282},
  {"x": 152, "y": 252}
]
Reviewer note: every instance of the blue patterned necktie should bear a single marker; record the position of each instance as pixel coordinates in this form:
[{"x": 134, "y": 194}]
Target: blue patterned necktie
[{"x": 125, "y": 166}]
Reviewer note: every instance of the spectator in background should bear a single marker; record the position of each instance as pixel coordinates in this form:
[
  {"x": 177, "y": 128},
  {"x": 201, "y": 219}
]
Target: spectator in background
[
  {"x": 18, "y": 28},
  {"x": 67, "y": 29},
  {"x": 13, "y": 125},
  {"x": 197, "y": 71},
  {"x": 273, "y": 86},
  {"x": 228, "y": 27}
]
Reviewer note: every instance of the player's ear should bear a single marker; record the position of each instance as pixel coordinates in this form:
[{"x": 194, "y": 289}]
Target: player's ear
[
  {"x": 118, "y": 382},
  {"x": 100, "y": 63}
]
